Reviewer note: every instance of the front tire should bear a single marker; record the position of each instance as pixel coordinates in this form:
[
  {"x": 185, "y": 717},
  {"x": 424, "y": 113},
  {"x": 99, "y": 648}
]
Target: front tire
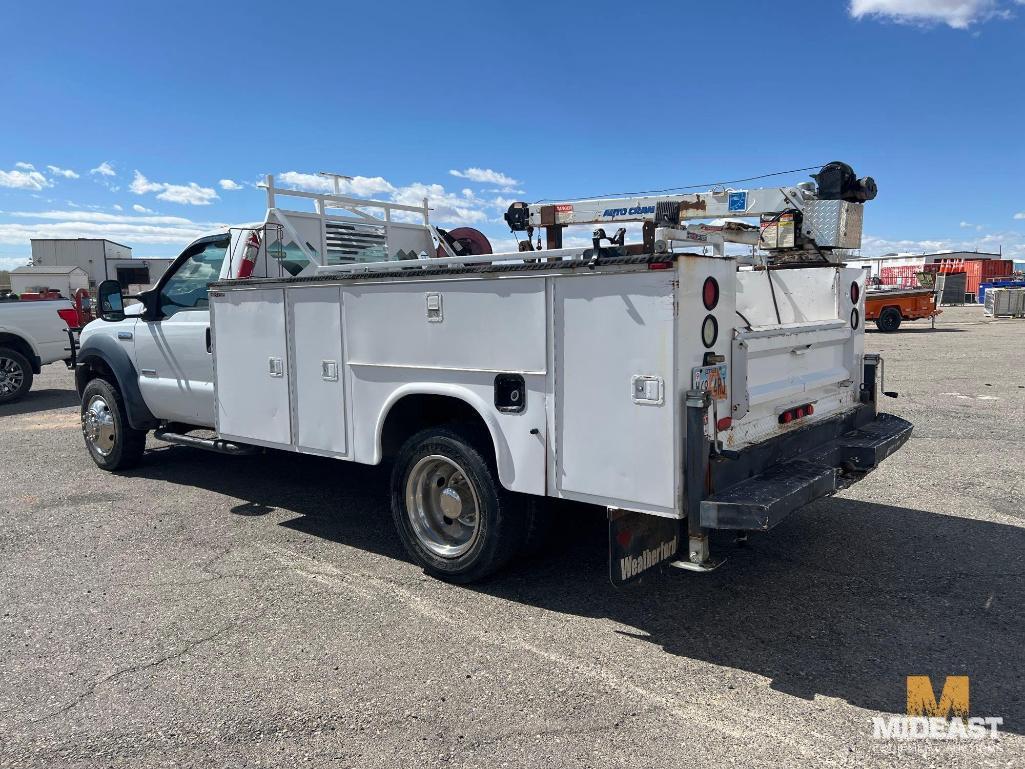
[
  {"x": 452, "y": 515},
  {"x": 112, "y": 442},
  {"x": 15, "y": 375}
]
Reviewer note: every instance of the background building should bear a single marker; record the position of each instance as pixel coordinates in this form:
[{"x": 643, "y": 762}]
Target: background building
[
  {"x": 101, "y": 259},
  {"x": 38, "y": 279},
  {"x": 876, "y": 263}
]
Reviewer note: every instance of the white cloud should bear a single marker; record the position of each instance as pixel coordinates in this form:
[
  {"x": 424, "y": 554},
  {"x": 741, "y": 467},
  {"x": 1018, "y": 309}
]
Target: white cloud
[
  {"x": 24, "y": 177},
  {"x": 10, "y": 262},
  {"x": 446, "y": 207},
  {"x": 67, "y": 173},
  {"x": 361, "y": 186},
  {"x": 187, "y": 194},
  {"x": 463, "y": 207},
  {"x": 191, "y": 194},
  {"x": 229, "y": 184},
  {"x": 1020, "y": 215},
  {"x": 141, "y": 209},
  {"x": 104, "y": 169},
  {"x": 174, "y": 230},
  {"x": 117, "y": 207},
  {"x": 96, "y": 216},
  {"x": 141, "y": 185},
  {"x": 957, "y": 14},
  {"x": 485, "y": 176},
  {"x": 970, "y": 226},
  {"x": 1011, "y": 243}
]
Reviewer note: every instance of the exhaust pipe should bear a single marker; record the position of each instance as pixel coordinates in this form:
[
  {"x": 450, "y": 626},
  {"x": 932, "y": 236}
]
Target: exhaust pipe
[{"x": 219, "y": 445}]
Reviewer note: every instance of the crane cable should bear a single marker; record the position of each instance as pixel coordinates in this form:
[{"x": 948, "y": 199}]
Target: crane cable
[{"x": 687, "y": 187}]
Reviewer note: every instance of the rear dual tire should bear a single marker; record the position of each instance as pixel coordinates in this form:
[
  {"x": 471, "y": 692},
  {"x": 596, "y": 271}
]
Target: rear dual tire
[{"x": 451, "y": 513}]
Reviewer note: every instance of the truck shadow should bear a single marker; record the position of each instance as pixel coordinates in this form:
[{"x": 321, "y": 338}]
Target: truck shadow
[
  {"x": 843, "y": 599},
  {"x": 41, "y": 400}
]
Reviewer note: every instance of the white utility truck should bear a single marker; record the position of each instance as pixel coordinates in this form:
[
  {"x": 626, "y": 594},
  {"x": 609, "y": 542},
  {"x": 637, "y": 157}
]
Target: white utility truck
[
  {"x": 683, "y": 390},
  {"x": 33, "y": 334}
]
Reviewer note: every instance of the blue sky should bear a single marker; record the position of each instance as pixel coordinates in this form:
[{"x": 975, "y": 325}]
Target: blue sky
[{"x": 148, "y": 123}]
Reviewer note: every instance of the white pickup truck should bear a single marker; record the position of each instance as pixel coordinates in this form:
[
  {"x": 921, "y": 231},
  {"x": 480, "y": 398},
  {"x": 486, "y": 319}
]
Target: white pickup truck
[
  {"x": 32, "y": 334},
  {"x": 684, "y": 390}
]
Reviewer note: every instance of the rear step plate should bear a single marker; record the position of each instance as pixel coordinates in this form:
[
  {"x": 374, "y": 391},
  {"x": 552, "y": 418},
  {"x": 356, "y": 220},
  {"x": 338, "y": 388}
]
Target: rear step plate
[
  {"x": 763, "y": 500},
  {"x": 760, "y": 502}
]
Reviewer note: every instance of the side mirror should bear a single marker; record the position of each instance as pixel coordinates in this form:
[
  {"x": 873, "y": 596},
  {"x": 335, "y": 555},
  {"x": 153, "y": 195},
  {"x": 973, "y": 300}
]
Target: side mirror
[{"x": 112, "y": 303}]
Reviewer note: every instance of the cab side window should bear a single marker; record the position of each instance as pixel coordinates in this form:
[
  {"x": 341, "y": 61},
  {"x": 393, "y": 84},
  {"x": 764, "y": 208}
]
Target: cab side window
[{"x": 187, "y": 288}]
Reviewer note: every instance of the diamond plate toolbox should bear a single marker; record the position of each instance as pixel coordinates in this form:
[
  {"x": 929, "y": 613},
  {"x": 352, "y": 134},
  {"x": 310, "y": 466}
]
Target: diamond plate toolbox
[{"x": 834, "y": 223}]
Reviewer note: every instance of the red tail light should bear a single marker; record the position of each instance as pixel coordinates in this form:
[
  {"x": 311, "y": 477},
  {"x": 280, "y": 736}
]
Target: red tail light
[
  {"x": 70, "y": 317},
  {"x": 797, "y": 412},
  {"x": 724, "y": 424},
  {"x": 710, "y": 293},
  {"x": 659, "y": 265}
]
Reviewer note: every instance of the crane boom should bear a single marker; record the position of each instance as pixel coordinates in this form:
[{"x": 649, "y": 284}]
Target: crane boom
[{"x": 800, "y": 218}]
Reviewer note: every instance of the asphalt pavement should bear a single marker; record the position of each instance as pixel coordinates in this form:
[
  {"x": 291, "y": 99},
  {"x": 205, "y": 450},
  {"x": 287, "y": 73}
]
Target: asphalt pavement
[{"x": 205, "y": 610}]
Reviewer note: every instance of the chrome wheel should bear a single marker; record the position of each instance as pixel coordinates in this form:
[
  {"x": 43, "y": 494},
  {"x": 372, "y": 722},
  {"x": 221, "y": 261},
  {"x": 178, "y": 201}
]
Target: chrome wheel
[
  {"x": 12, "y": 376},
  {"x": 98, "y": 426},
  {"x": 442, "y": 506}
]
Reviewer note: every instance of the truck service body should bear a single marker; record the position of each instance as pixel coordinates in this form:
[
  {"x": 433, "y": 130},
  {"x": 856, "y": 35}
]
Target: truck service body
[{"x": 680, "y": 390}]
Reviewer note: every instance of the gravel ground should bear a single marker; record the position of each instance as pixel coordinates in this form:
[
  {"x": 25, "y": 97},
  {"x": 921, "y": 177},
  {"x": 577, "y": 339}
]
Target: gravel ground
[{"x": 216, "y": 611}]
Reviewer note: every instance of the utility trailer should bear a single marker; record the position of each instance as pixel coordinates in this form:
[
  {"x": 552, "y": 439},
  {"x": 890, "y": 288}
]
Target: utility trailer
[
  {"x": 680, "y": 392},
  {"x": 889, "y": 307}
]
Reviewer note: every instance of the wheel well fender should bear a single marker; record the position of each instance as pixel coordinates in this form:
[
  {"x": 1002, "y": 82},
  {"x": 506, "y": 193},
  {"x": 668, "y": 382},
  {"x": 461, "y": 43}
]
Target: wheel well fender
[
  {"x": 414, "y": 407},
  {"x": 22, "y": 345},
  {"x": 102, "y": 356}
]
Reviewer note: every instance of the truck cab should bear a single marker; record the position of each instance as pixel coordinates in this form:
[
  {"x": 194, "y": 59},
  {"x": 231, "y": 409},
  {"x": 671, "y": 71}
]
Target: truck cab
[{"x": 161, "y": 348}]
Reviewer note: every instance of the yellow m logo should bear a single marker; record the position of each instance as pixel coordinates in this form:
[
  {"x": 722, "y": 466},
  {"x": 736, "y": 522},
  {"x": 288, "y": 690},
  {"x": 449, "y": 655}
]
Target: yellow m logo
[{"x": 953, "y": 700}]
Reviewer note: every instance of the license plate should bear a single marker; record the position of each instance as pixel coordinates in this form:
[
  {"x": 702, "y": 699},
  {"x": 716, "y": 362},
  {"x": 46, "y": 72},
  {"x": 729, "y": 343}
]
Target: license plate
[
  {"x": 639, "y": 542},
  {"x": 713, "y": 379}
]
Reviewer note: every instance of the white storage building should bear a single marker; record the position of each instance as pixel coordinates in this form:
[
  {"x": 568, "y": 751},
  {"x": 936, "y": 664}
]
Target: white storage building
[
  {"x": 100, "y": 258},
  {"x": 38, "y": 278}
]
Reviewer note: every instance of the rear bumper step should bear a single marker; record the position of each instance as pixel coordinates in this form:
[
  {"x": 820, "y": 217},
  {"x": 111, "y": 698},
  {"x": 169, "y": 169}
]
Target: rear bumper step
[{"x": 818, "y": 465}]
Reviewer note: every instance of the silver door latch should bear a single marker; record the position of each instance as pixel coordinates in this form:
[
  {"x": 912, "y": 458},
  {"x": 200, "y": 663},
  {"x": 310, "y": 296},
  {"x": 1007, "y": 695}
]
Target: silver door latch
[
  {"x": 648, "y": 390},
  {"x": 434, "y": 311},
  {"x": 276, "y": 367},
  {"x": 329, "y": 370}
]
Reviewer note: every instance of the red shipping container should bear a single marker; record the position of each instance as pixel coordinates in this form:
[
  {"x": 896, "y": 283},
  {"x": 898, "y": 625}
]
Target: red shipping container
[{"x": 978, "y": 270}]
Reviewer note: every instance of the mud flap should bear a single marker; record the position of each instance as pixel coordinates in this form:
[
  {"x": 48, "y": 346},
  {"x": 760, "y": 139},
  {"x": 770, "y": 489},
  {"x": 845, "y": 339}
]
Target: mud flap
[{"x": 638, "y": 542}]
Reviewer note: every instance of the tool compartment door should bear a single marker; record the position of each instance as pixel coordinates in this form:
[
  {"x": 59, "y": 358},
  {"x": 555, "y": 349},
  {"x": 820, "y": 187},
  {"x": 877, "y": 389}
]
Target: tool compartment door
[
  {"x": 614, "y": 390},
  {"x": 318, "y": 391},
  {"x": 251, "y": 365}
]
